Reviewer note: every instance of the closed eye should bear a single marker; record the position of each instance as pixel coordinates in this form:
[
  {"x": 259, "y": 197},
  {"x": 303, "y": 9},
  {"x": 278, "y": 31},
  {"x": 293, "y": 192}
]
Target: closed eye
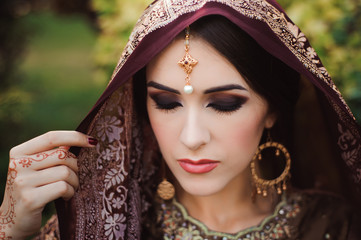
[
  {"x": 226, "y": 104},
  {"x": 165, "y": 101}
]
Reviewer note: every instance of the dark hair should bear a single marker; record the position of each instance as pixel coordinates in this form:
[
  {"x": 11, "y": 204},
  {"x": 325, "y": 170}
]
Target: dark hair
[{"x": 269, "y": 77}]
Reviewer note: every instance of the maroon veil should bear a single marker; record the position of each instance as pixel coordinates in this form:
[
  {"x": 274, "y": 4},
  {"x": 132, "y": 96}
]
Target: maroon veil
[{"x": 118, "y": 177}]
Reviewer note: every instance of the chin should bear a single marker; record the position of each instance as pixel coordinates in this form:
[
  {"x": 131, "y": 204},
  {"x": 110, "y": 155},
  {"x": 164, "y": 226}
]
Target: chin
[{"x": 201, "y": 188}]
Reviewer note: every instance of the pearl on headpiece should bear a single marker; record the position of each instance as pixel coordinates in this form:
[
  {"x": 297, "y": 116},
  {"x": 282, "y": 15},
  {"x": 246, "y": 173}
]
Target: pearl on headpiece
[{"x": 188, "y": 89}]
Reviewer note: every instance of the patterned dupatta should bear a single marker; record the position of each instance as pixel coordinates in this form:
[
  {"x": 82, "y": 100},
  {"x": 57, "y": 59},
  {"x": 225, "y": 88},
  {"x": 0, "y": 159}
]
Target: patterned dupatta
[{"x": 118, "y": 177}]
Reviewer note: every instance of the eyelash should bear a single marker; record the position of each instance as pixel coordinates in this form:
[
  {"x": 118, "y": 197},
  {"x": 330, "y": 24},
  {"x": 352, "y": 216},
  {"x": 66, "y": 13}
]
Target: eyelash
[
  {"x": 167, "y": 107},
  {"x": 219, "y": 108},
  {"x": 226, "y": 109}
]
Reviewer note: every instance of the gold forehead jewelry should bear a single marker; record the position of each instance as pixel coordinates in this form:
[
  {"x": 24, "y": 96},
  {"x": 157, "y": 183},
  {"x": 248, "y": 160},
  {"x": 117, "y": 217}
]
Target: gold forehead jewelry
[{"x": 187, "y": 63}]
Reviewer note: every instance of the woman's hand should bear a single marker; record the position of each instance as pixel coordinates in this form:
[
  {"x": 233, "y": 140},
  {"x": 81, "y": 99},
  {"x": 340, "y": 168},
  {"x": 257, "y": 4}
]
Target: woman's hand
[{"x": 40, "y": 170}]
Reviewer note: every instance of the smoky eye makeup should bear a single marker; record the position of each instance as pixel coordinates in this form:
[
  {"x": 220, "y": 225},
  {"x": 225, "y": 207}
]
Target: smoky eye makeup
[
  {"x": 226, "y": 103},
  {"x": 165, "y": 101}
]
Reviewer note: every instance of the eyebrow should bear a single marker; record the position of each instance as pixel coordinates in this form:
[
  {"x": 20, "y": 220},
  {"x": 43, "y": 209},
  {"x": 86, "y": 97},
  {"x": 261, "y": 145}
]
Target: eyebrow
[
  {"x": 162, "y": 87},
  {"x": 211, "y": 90},
  {"x": 224, "y": 88}
]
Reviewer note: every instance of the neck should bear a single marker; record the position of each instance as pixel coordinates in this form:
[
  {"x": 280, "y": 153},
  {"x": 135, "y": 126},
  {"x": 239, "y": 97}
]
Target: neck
[{"x": 229, "y": 210}]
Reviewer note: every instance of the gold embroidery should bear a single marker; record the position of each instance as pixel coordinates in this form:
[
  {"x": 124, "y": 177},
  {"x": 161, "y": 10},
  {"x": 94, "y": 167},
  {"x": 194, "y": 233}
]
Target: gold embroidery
[
  {"x": 163, "y": 12},
  {"x": 178, "y": 224}
]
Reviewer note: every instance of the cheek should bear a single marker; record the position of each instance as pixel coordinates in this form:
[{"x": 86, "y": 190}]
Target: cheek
[
  {"x": 155, "y": 121},
  {"x": 242, "y": 134},
  {"x": 163, "y": 128},
  {"x": 250, "y": 131}
]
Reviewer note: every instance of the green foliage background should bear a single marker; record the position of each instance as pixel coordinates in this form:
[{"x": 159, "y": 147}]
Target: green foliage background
[
  {"x": 116, "y": 19},
  {"x": 69, "y": 59},
  {"x": 334, "y": 29}
]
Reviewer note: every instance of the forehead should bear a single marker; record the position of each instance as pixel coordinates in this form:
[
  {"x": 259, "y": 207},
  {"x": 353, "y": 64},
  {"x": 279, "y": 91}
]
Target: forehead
[{"x": 212, "y": 69}]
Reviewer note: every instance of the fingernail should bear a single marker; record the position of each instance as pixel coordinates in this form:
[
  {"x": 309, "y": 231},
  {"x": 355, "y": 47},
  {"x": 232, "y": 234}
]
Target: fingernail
[{"x": 92, "y": 141}]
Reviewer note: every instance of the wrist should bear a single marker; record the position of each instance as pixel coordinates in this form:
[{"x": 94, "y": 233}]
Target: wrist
[
  {"x": 8, "y": 231},
  {"x": 5, "y": 232}
]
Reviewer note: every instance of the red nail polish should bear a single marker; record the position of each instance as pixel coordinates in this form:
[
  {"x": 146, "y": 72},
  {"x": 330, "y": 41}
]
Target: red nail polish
[{"x": 92, "y": 141}]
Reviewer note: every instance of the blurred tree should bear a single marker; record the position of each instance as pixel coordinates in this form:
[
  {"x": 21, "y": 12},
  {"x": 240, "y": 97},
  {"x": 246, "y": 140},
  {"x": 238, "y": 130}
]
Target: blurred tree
[
  {"x": 334, "y": 29},
  {"x": 13, "y": 37},
  {"x": 75, "y": 7},
  {"x": 116, "y": 19}
]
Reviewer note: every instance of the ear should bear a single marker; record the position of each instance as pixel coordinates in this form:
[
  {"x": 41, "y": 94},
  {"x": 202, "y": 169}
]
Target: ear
[{"x": 270, "y": 120}]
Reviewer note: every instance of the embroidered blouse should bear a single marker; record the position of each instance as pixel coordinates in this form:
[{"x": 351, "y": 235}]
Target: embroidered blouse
[{"x": 298, "y": 216}]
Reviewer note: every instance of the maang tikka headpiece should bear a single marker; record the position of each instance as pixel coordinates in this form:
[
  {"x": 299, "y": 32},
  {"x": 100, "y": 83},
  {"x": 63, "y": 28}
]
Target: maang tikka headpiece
[{"x": 187, "y": 63}]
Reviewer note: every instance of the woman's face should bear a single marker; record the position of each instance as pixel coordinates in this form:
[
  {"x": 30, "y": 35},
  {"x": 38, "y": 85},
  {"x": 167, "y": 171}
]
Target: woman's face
[{"x": 209, "y": 137}]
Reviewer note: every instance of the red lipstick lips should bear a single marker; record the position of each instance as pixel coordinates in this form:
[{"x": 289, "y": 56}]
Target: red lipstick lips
[{"x": 198, "y": 166}]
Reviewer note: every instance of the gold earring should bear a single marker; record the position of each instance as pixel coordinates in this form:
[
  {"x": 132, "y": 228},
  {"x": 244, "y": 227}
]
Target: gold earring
[
  {"x": 187, "y": 63},
  {"x": 280, "y": 183},
  {"x": 165, "y": 189}
]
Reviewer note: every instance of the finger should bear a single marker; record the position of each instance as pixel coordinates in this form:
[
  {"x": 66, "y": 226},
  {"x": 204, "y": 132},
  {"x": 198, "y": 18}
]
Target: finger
[
  {"x": 52, "y": 140},
  {"x": 47, "y": 193},
  {"x": 70, "y": 154},
  {"x": 54, "y": 174},
  {"x": 46, "y": 177},
  {"x": 48, "y": 159}
]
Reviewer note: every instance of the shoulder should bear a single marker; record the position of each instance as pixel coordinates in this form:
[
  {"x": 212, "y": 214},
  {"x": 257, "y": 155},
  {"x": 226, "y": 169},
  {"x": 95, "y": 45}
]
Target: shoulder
[{"x": 324, "y": 215}]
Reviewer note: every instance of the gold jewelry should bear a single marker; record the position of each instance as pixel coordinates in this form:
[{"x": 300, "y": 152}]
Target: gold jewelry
[
  {"x": 165, "y": 190},
  {"x": 279, "y": 183},
  {"x": 187, "y": 63}
]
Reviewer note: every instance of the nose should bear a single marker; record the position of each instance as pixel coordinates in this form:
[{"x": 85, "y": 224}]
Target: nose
[{"x": 195, "y": 133}]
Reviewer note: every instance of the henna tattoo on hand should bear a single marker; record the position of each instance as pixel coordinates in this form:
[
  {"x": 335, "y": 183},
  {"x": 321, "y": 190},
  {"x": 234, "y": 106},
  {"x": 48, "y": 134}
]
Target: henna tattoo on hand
[
  {"x": 7, "y": 217},
  {"x": 61, "y": 152}
]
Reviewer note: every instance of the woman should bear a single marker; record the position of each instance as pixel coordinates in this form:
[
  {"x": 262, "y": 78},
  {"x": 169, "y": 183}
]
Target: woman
[{"x": 223, "y": 103}]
